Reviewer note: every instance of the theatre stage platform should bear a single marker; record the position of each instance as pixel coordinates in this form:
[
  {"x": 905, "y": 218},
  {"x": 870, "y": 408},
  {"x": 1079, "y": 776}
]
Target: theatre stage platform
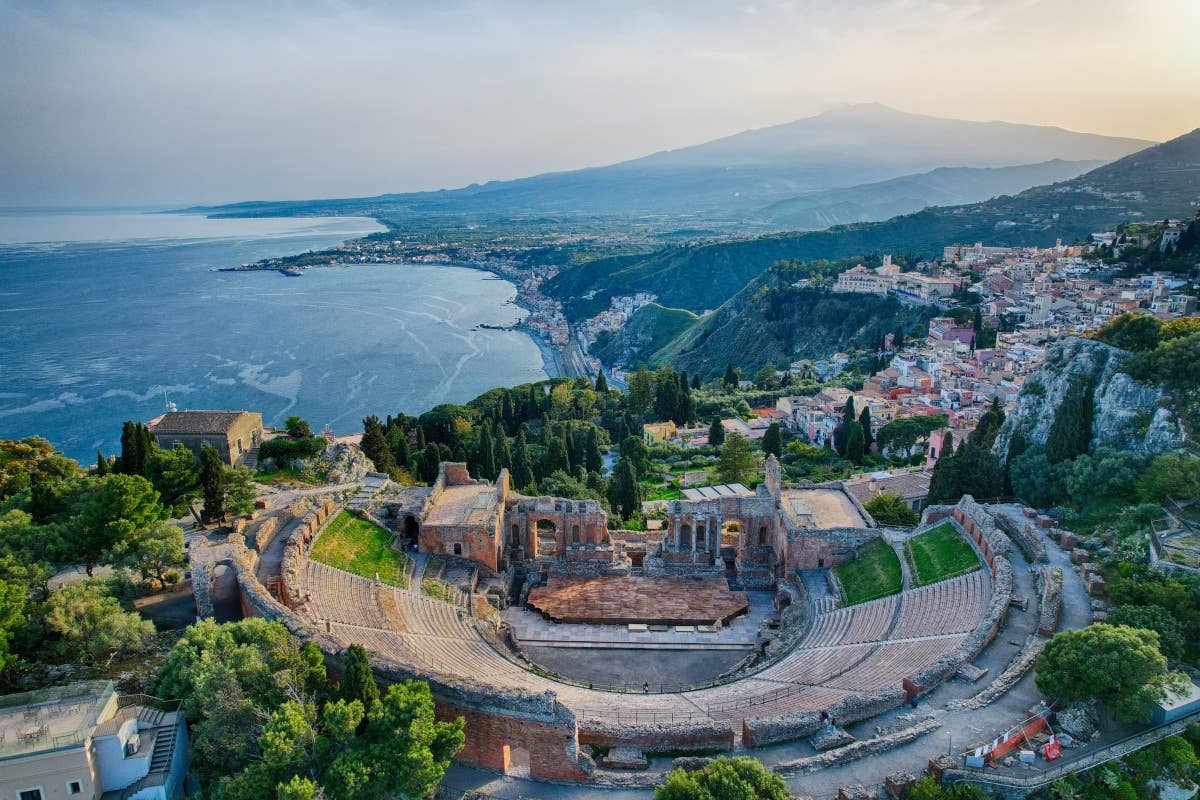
[{"x": 653, "y": 601}]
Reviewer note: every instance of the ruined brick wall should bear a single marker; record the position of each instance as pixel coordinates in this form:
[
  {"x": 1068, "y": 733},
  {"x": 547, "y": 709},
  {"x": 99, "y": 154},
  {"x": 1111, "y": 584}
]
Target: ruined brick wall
[
  {"x": 826, "y": 548},
  {"x": 853, "y": 708},
  {"x": 492, "y": 739}
]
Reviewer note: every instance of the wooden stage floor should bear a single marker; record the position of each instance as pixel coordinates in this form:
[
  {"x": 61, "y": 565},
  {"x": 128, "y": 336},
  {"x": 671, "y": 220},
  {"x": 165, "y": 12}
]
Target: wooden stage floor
[{"x": 653, "y": 601}]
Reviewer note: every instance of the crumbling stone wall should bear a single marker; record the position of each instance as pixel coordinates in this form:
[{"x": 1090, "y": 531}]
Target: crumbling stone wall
[
  {"x": 659, "y": 737},
  {"x": 1050, "y": 584},
  {"x": 757, "y": 732},
  {"x": 857, "y": 750}
]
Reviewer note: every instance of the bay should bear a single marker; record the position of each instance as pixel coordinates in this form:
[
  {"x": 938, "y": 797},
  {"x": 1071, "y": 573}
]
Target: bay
[{"x": 107, "y": 315}]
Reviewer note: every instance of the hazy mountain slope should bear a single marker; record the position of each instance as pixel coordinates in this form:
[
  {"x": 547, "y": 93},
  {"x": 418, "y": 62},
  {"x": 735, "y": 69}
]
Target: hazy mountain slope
[
  {"x": 944, "y": 186},
  {"x": 1158, "y": 182},
  {"x": 739, "y": 174},
  {"x": 649, "y": 328}
]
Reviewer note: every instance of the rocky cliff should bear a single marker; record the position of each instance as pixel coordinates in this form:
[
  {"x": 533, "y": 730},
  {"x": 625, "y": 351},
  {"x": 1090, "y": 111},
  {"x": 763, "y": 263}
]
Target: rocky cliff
[{"x": 1128, "y": 415}]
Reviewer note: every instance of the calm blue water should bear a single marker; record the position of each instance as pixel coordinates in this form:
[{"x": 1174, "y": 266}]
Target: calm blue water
[{"x": 105, "y": 314}]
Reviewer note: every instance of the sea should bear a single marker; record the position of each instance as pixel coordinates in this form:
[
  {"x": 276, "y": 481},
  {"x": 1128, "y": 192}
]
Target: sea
[{"x": 111, "y": 314}]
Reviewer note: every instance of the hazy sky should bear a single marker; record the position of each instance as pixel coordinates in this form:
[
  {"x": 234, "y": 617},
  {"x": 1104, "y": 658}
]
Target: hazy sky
[{"x": 157, "y": 102}]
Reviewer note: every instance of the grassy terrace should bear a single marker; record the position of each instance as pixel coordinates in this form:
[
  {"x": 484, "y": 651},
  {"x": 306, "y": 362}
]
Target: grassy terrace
[
  {"x": 361, "y": 547},
  {"x": 875, "y": 573},
  {"x": 940, "y": 553}
]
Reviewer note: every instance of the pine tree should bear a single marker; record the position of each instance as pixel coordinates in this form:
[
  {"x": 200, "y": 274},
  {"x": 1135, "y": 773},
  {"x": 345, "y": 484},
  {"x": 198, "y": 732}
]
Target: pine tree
[
  {"x": 601, "y": 384},
  {"x": 487, "y": 456},
  {"x": 212, "y": 482},
  {"x": 772, "y": 443},
  {"x": 864, "y": 419},
  {"x": 522, "y": 469},
  {"x": 102, "y": 466},
  {"x": 716, "y": 433},
  {"x": 375, "y": 447},
  {"x": 855, "y": 442},
  {"x": 358, "y": 681}
]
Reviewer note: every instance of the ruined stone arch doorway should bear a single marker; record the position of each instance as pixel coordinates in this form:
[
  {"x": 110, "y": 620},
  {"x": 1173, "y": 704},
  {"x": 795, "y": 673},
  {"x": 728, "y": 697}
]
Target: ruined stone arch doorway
[
  {"x": 516, "y": 761},
  {"x": 410, "y": 530}
]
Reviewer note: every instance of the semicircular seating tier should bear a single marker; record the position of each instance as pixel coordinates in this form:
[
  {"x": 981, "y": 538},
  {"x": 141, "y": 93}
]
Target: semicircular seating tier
[{"x": 860, "y": 649}]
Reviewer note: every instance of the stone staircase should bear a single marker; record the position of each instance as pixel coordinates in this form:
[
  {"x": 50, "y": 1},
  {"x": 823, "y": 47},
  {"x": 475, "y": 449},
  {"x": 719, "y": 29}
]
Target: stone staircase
[{"x": 251, "y": 459}]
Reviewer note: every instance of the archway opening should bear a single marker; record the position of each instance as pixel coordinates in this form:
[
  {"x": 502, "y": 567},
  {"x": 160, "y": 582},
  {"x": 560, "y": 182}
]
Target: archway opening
[
  {"x": 762, "y": 536},
  {"x": 516, "y": 761},
  {"x": 547, "y": 537},
  {"x": 730, "y": 533},
  {"x": 411, "y": 530},
  {"x": 685, "y": 537}
]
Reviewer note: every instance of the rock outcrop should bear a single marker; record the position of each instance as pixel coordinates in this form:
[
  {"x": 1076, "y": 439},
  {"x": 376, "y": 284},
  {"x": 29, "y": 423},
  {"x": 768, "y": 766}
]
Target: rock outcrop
[
  {"x": 342, "y": 463},
  {"x": 1128, "y": 415}
]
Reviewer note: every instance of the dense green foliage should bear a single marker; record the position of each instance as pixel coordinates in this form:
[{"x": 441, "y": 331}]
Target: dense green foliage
[
  {"x": 253, "y": 669},
  {"x": 1121, "y": 667},
  {"x": 738, "y": 778},
  {"x": 890, "y": 510}
]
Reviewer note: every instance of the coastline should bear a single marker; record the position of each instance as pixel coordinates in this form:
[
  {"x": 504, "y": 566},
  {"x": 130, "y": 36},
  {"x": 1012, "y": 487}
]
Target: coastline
[{"x": 554, "y": 361}]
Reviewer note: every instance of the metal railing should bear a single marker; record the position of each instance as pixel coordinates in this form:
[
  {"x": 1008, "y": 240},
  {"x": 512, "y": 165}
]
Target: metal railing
[{"x": 1118, "y": 749}]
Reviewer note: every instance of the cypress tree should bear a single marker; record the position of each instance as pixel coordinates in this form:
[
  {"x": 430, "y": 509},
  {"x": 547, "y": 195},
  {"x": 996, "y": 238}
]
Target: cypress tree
[
  {"x": 731, "y": 378},
  {"x": 601, "y": 384},
  {"x": 772, "y": 443},
  {"x": 533, "y": 408},
  {"x": 503, "y": 454},
  {"x": 212, "y": 482},
  {"x": 430, "y": 461},
  {"x": 864, "y": 419},
  {"x": 1071, "y": 432},
  {"x": 358, "y": 682},
  {"x": 145, "y": 448},
  {"x": 102, "y": 467},
  {"x": 556, "y": 457},
  {"x": 855, "y": 442},
  {"x": 625, "y": 494},
  {"x": 716, "y": 433},
  {"x": 487, "y": 456},
  {"x": 592, "y": 459},
  {"x": 522, "y": 470},
  {"x": 848, "y": 413},
  {"x": 944, "y": 485},
  {"x": 375, "y": 447},
  {"x": 696, "y": 381}
]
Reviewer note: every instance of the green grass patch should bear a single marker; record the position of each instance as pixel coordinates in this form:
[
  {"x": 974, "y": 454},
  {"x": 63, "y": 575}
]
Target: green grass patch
[
  {"x": 361, "y": 547},
  {"x": 875, "y": 573},
  {"x": 940, "y": 553},
  {"x": 668, "y": 491}
]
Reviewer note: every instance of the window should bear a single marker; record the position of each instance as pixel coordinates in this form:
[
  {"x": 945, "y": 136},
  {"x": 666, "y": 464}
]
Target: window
[
  {"x": 74, "y": 787},
  {"x": 30, "y": 794}
]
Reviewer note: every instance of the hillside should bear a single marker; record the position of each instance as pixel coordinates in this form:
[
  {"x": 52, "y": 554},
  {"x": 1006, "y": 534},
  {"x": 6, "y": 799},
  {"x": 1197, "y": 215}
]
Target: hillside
[
  {"x": 736, "y": 176},
  {"x": 1158, "y": 182},
  {"x": 944, "y": 186},
  {"x": 771, "y": 319},
  {"x": 648, "y": 329}
]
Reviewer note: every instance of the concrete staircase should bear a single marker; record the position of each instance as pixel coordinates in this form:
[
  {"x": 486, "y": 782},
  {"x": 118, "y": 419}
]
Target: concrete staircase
[{"x": 164, "y": 749}]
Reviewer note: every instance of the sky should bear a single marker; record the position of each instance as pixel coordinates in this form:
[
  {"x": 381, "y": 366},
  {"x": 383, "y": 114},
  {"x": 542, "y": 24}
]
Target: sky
[{"x": 189, "y": 102}]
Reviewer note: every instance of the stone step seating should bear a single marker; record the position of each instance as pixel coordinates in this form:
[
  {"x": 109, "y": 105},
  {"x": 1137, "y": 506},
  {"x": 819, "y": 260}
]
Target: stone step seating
[
  {"x": 336, "y": 596},
  {"x": 866, "y": 622},
  {"x": 817, "y": 666},
  {"x": 953, "y": 606},
  {"x": 893, "y": 662}
]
